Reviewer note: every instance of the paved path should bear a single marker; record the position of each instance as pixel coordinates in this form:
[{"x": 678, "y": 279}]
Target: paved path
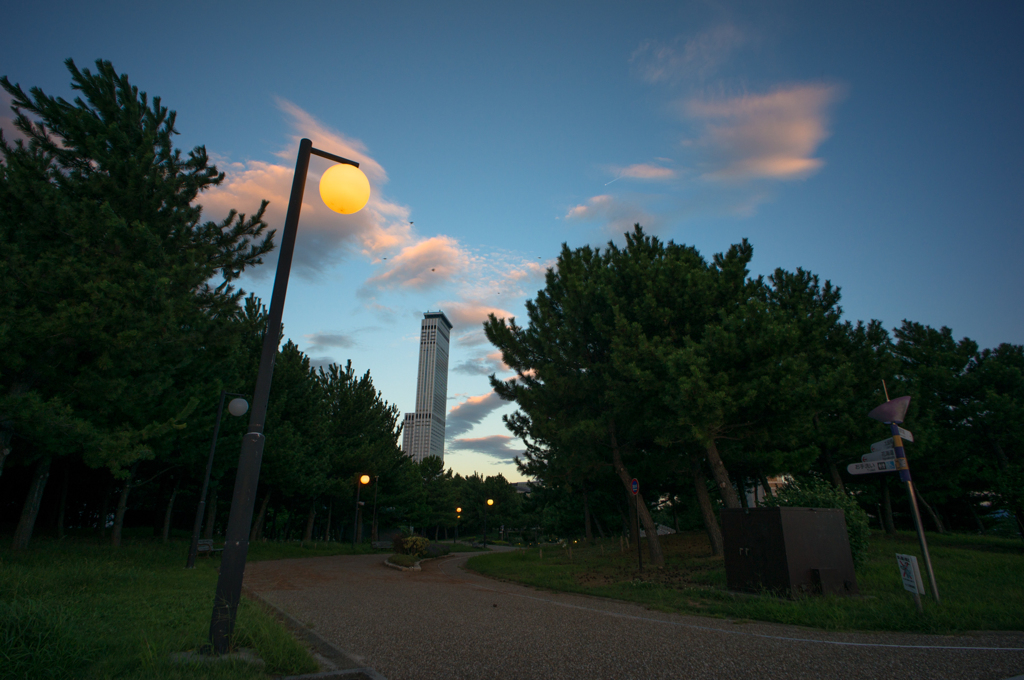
[{"x": 447, "y": 623}]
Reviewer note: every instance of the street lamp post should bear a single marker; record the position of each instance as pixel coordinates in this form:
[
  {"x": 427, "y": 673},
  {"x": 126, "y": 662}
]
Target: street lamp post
[
  {"x": 489, "y": 503},
  {"x": 237, "y": 407},
  {"x": 373, "y": 524},
  {"x": 364, "y": 479},
  {"x": 458, "y": 516},
  {"x": 344, "y": 189}
]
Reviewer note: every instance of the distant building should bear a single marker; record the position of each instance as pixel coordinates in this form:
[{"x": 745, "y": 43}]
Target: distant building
[{"x": 423, "y": 433}]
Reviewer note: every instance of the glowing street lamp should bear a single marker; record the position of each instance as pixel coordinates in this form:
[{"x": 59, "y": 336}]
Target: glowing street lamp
[
  {"x": 345, "y": 191},
  {"x": 363, "y": 481},
  {"x": 490, "y": 502}
]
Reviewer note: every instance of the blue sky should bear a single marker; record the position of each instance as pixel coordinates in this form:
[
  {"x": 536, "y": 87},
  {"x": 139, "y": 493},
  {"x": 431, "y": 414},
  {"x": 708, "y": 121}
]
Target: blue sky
[{"x": 876, "y": 144}]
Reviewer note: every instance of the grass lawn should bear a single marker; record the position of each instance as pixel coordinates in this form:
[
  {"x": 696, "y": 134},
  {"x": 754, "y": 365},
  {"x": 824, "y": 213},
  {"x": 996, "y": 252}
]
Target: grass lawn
[
  {"x": 78, "y": 608},
  {"x": 981, "y": 583}
]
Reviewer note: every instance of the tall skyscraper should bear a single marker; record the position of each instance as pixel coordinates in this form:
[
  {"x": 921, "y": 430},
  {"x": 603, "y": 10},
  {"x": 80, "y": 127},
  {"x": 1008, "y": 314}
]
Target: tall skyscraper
[{"x": 423, "y": 434}]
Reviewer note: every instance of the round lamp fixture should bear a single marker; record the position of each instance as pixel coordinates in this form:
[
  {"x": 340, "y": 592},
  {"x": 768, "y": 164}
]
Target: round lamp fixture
[
  {"x": 344, "y": 188},
  {"x": 458, "y": 509},
  {"x": 490, "y": 502},
  {"x": 238, "y": 407},
  {"x": 365, "y": 479}
]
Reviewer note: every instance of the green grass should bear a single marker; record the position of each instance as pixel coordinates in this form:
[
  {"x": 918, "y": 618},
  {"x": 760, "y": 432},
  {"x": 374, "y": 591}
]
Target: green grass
[
  {"x": 981, "y": 582},
  {"x": 80, "y": 609}
]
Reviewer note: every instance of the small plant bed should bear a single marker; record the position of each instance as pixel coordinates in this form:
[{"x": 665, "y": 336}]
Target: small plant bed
[
  {"x": 981, "y": 581},
  {"x": 80, "y": 609}
]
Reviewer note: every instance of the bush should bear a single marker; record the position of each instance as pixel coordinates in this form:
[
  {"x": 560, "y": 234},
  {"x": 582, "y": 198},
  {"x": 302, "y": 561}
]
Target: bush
[
  {"x": 411, "y": 545},
  {"x": 818, "y": 494}
]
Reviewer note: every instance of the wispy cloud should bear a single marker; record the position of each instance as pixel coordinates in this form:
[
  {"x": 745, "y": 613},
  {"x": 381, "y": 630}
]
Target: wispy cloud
[
  {"x": 425, "y": 264},
  {"x": 686, "y": 58},
  {"x": 646, "y": 171},
  {"x": 483, "y": 365},
  {"x": 495, "y": 446},
  {"x": 468, "y": 316},
  {"x": 463, "y": 417},
  {"x": 772, "y": 135},
  {"x": 616, "y": 213},
  {"x": 317, "y": 342},
  {"x": 325, "y": 237}
]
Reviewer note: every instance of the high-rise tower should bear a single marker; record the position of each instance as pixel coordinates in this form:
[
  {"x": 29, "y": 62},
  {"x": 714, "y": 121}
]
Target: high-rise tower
[{"x": 423, "y": 433}]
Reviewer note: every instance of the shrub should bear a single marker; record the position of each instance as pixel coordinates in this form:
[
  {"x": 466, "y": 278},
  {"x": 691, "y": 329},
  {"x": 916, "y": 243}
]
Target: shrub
[
  {"x": 818, "y": 494},
  {"x": 411, "y": 545}
]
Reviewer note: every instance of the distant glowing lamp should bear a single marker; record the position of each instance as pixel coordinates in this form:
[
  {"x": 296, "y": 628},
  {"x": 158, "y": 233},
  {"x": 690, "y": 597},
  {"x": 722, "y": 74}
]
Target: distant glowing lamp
[
  {"x": 344, "y": 188},
  {"x": 365, "y": 479},
  {"x": 490, "y": 502}
]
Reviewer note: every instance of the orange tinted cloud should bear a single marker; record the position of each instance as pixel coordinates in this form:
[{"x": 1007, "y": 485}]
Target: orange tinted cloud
[
  {"x": 647, "y": 171},
  {"x": 423, "y": 265},
  {"x": 324, "y": 237},
  {"x": 773, "y": 135},
  {"x": 472, "y": 314},
  {"x": 593, "y": 206},
  {"x": 617, "y": 215}
]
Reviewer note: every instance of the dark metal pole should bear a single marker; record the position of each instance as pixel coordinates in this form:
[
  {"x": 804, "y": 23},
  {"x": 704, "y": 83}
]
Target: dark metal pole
[
  {"x": 355, "y": 521},
  {"x": 904, "y": 470},
  {"x": 485, "y": 525},
  {"x": 236, "y": 540},
  {"x": 373, "y": 525},
  {"x": 194, "y": 547},
  {"x": 639, "y": 553}
]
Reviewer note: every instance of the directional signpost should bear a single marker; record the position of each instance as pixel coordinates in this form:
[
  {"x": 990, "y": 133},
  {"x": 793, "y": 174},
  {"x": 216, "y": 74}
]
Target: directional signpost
[
  {"x": 889, "y": 454},
  {"x": 892, "y": 413},
  {"x": 871, "y": 466},
  {"x": 884, "y": 445}
]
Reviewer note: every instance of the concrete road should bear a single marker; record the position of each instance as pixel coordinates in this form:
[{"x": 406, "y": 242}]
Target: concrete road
[{"x": 447, "y": 623}]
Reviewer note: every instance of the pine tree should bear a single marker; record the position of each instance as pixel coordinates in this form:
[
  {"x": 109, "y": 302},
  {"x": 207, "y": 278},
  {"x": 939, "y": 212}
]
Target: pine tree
[{"x": 117, "y": 295}]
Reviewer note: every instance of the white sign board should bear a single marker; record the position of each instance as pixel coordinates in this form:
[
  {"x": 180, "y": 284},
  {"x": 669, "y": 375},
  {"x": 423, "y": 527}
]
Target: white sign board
[
  {"x": 884, "y": 445},
  {"x": 906, "y": 434},
  {"x": 910, "y": 573},
  {"x": 871, "y": 466},
  {"x": 888, "y": 454}
]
